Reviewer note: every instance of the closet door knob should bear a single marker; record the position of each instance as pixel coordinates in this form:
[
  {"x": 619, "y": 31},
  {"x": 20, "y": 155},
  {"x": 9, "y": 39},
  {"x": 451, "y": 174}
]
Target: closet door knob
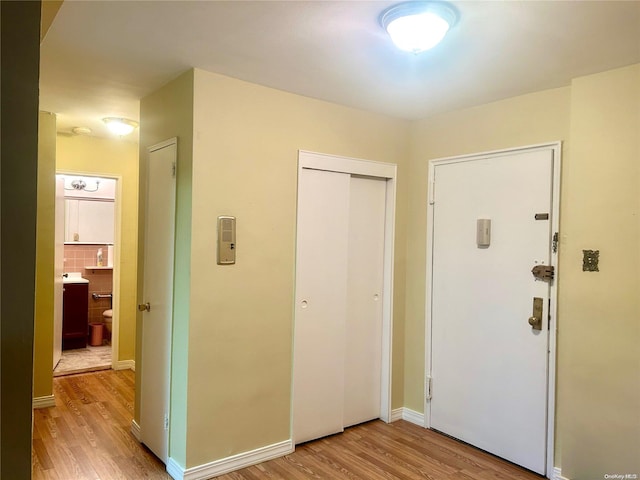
[{"x": 144, "y": 307}]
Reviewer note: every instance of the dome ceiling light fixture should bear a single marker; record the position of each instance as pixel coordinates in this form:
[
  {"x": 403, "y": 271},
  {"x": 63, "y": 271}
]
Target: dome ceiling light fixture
[
  {"x": 418, "y": 26},
  {"x": 120, "y": 126}
]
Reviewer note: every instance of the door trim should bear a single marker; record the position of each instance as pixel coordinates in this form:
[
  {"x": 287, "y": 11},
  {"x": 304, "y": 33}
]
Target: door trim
[
  {"x": 117, "y": 242},
  {"x": 388, "y": 171},
  {"x": 556, "y": 149}
]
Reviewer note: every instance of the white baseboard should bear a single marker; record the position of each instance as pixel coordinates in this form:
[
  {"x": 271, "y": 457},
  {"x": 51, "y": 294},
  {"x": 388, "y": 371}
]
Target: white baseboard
[
  {"x": 229, "y": 464},
  {"x": 125, "y": 365},
  {"x": 407, "y": 414},
  {"x": 44, "y": 402},
  {"x": 557, "y": 474},
  {"x": 413, "y": 416},
  {"x": 174, "y": 470},
  {"x": 135, "y": 430}
]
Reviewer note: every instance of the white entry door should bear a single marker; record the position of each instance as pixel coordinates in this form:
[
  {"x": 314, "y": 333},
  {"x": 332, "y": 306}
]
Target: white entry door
[
  {"x": 489, "y": 366},
  {"x": 157, "y": 298}
]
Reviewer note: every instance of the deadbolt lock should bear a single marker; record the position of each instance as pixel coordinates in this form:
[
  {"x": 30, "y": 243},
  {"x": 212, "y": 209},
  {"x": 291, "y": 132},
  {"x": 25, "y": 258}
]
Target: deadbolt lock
[
  {"x": 535, "y": 320},
  {"x": 543, "y": 272}
]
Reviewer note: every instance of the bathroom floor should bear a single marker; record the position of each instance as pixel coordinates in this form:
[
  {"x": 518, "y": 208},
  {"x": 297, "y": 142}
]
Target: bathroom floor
[{"x": 82, "y": 360}]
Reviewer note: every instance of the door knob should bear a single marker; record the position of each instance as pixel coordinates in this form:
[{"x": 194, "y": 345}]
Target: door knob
[
  {"x": 144, "y": 307},
  {"x": 535, "y": 320}
]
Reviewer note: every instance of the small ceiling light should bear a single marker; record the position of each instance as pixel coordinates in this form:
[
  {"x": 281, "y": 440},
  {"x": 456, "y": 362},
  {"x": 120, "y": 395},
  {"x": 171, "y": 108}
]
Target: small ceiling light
[
  {"x": 418, "y": 26},
  {"x": 120, "y": 126},
  {"x": 81, "y": 130}
]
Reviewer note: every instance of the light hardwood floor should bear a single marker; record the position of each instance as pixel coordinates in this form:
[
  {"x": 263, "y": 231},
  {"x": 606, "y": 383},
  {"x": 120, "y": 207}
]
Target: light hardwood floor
[{"x": 86, "y": 436}]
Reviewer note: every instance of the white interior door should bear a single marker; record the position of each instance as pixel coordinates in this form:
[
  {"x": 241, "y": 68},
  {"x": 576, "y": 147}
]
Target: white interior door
[
  {"x": 58, "y": 270},
  {"x": 158, "y": 294},
  {"x": 363, "y": 329},
  {"x": 321, "y": 302},
  {"x": 488, "y": 365}
]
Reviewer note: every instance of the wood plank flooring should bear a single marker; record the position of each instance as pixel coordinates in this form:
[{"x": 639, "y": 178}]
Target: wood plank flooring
[{"x": 86, "y": 436}]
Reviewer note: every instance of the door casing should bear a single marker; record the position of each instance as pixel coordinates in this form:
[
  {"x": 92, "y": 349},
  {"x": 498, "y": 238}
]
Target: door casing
[
  {"x": 117, "y": 242},
  {"x": 556, "y": 149},
  {"x": 333, "y": 163}
]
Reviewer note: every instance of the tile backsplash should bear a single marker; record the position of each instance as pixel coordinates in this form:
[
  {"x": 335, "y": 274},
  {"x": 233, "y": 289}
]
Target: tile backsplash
[{"x": 76, "y": 257}]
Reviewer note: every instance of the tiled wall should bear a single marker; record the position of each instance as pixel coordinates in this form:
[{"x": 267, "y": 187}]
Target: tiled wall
[
  {"x": 76, "y": 258},
  {"x": 100, "y": 281}
]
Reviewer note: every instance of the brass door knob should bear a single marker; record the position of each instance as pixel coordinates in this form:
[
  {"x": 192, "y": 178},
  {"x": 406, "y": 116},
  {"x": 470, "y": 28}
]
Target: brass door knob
[
  {"x": 144, "y": 307},
  {"x": 535, "y": 320}
]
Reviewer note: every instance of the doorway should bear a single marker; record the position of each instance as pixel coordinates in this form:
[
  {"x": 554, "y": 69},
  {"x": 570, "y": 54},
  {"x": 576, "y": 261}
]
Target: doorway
[
  {"x": 85, "y": 325},
  {"x": 157, "y": 297},
  {"x": 491, "y": 301}
]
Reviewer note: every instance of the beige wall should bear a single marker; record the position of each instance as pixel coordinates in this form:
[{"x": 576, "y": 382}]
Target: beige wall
[
  {"x": 234, "y": 323},
  {"x": 246, "y": 141},
  {"x": 598, "y": 384},
  {"x": 599, "y": 318},
  {"x": 118, "y": 158},
  {"x": 526, "y": 120},
  {"x": 45, "y": 250},
  {"x": 92, "y": 156},
  {"x": 168, "y": 113},
  {"x": 19, "y": 197}
]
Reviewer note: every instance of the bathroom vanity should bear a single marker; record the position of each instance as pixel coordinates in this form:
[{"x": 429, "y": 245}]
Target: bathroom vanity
[{"x": 75, "y": 310}]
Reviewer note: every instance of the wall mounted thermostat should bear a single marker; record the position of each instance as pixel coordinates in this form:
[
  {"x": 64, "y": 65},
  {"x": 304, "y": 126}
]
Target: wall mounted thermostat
[
  {"x": 226, "y": 240},
  {"x": 483, "y": 232}
]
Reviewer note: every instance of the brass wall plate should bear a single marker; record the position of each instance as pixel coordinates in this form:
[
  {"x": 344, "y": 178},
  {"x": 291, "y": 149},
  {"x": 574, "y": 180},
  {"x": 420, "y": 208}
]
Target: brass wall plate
[{"x": 590, "y": 259}]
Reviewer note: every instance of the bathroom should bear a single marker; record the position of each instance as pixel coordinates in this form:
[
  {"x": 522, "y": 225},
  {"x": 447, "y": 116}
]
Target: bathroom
[{"x": 85, "y": 332}]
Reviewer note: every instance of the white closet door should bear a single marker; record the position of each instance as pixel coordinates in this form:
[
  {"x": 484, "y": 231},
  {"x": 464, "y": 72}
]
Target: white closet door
[
  {"x": 321, "y": 299},
  {"x": 363, "y": 356}
]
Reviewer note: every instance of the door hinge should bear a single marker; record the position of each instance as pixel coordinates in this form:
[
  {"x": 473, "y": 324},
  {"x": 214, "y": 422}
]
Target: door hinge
[
  {"x": 549, "y": 315},
  {"x": 428, "y": 387},
  {"x": 166, "y": 421},
  {"x": 432, "y": 192},
  {"x": 554, "y": 244},
  {"x": 173, "y": 169}
]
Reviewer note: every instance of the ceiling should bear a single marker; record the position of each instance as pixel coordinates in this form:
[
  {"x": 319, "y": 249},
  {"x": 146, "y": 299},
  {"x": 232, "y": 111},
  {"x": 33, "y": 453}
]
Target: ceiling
[{"x": 100, "y": 57}]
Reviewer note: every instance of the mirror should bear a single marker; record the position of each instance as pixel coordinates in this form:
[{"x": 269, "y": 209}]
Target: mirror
[{"x": 88, "y": 220}]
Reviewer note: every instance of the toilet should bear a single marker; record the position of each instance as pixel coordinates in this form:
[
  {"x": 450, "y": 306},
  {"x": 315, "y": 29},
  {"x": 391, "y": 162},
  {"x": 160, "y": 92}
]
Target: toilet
[{"x": 107, "y": 315}]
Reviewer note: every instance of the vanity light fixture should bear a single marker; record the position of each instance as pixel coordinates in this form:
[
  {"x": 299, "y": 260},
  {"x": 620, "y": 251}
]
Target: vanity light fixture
[
  {"x": 418, "y": 26},
  {"x": 120, "y": 126},
  {"x": 80, "y": 184}
]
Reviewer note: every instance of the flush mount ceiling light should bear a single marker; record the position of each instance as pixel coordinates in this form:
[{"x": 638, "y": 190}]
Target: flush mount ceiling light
[
  {"x": 81, "y": 130},
  {"x": 418, "y": 26},
  {"x": 120, "y": 126}
]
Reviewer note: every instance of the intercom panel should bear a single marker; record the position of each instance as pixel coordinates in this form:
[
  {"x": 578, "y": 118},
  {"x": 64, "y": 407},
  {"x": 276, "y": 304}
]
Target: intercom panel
[{"x": 226, "y": 240}]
